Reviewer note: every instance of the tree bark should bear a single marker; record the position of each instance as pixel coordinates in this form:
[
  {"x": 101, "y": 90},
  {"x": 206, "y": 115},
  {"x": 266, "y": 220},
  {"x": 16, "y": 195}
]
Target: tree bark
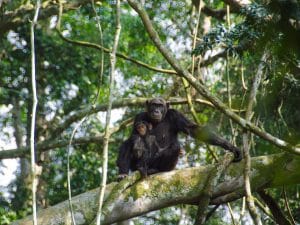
[{"x": 183, "y": 186}]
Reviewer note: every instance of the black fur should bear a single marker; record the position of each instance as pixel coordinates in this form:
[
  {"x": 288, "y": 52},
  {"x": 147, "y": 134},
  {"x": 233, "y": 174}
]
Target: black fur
[{"x": 166, "y": 134}]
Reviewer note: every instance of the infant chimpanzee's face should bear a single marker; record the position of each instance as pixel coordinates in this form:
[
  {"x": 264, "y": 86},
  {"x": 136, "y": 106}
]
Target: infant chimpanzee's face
[{"x": 141, "y": 129}]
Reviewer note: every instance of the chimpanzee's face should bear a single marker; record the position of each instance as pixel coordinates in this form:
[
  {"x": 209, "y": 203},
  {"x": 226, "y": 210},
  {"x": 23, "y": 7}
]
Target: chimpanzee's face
[
  {"x": 141, "y": 129},
  {"x": 156, "y": 109},
  {"x": 156, "y": 112}
]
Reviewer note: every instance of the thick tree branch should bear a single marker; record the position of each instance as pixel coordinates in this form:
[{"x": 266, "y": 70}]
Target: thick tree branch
[
  {"x": 125, "y": 102},
  {"x": 202, "y": 89},
  {"x": 47, "y": 145},
  {"x": 176, "y": 187},
  {"x": 91, "y": 109}
]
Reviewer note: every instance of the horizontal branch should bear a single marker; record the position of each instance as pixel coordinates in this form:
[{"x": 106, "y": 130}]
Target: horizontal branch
[
  {"x": 47, "y": 145},
  {"x": 59, "y": 143},
  {"x": 172, "y": 188},
  {"x": 124, "y": 102},
  {"x": 91, "y": 109}
]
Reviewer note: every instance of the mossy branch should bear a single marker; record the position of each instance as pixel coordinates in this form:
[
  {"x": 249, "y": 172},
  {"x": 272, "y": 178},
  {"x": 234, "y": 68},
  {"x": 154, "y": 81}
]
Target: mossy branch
[{"x": 176, "y": 187}]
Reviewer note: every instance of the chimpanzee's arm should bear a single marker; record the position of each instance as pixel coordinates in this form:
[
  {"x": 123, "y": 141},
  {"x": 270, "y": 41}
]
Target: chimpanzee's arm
[
  {"x": 203, "y": 134},
  {"x": 206, "y": 135},
  {"x": 181, "y": 123},
  {"x": 125, "y": 157},
  {"x": 213, "y": 139}
]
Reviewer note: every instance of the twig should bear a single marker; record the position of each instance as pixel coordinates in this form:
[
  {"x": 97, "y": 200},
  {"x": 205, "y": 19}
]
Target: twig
[
  {"x": 69, "y": 173},
  {"x": 228, "y": 84},
  {"x": 83, "y": 119},
  {"x": 231, "y": 213},
  {"x": 184, "y": 81},
  {"x": 189, "y": 100},
  {"x": 108, "y": 114},
  {"x": 120, "y": 55},
  {"x": 195, "y": 36},
  {"x": 249, "y": 199},
  {"x": 281, "y": 117},
  {"x": 72, "y": 136},
  {"x": 286, "y": 202},
  {"x": 229, "y": 100},
  {"x": 242, "y": 76},
  {"x": 102, "y": 51},
  {"x": 215, "y": 157},
  {"x": 243, "y": 209},
  {"x": 211, "y": 212},
  {"x": 34, "y": 106}
]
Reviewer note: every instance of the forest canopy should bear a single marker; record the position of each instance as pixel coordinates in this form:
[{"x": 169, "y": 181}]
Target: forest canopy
[{"x": 231, "y": 65}]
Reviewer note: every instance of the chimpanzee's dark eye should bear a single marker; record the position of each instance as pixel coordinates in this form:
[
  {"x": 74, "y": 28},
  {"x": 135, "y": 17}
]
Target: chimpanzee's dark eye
[{"x": 156, "y": 106}]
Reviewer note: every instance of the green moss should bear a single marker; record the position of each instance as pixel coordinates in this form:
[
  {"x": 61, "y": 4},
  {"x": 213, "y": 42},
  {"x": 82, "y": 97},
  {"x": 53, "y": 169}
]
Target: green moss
[{"x": 186, "y": 181}]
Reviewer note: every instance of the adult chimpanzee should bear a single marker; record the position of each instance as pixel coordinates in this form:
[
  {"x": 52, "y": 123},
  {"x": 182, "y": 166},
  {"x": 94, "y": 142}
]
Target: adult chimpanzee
[{"x": 166, "y": 124}]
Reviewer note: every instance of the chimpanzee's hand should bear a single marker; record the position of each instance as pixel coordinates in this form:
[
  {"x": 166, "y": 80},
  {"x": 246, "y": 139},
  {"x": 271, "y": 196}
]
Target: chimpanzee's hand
[
  {"x": 122, "y": 176},
  {"x": 238, "y": 155}
]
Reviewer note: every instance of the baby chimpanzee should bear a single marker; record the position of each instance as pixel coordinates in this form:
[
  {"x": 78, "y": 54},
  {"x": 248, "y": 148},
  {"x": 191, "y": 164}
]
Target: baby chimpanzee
[{"x": 145, "y": 147}]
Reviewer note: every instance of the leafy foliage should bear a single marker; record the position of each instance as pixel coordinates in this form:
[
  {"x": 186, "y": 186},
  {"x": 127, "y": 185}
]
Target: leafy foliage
[
  {"x": 69, "y": 80},
  {"x": 236, "y": 39}
]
